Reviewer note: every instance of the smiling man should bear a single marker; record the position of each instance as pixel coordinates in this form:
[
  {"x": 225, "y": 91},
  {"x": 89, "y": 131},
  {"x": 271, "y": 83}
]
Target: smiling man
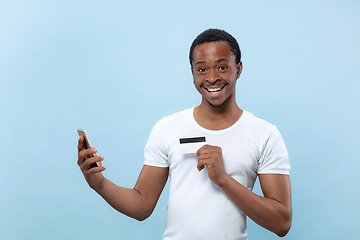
[{"x": 210, "y": 187}]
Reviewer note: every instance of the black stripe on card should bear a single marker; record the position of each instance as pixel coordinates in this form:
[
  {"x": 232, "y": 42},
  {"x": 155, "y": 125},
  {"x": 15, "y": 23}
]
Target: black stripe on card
[{"x": 192, "y": 140}]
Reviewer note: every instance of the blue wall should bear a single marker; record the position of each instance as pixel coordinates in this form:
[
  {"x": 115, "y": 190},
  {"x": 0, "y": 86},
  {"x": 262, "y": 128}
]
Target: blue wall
[{"x": 116, "y": 67}]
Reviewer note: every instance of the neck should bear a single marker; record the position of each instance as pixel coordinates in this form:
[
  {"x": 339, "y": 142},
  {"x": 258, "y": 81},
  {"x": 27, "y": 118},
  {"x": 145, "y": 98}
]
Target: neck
[
  {"x": 229, "y": 109},
  {"x": 217, "y": 118}
]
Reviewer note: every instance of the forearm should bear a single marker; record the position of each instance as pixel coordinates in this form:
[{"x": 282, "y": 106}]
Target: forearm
[
  {"x": 268, "y": 213},
  {"x": 125, "y": 200}
]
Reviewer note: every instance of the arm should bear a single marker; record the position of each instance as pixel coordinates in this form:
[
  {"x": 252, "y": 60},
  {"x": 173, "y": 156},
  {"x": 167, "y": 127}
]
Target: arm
[
  {"x": 138, "y": 202},
  {"x": 273, "y": 211}
]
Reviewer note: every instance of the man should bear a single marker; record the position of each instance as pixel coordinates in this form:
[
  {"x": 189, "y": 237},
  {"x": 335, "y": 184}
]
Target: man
[{"x": 210, "y": 190}]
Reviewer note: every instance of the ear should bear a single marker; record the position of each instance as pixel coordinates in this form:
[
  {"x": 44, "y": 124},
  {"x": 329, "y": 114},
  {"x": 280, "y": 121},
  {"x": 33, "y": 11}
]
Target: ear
[{"x": 239, "y": 69}]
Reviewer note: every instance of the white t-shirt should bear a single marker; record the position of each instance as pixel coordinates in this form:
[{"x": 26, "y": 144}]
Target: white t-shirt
[{"x": 198, "y": 208}]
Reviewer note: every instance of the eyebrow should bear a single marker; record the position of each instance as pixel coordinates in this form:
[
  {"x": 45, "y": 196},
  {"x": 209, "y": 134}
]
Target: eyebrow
[
  {"x": 222, "y": 60},
  {"x": 199, "y": 62},
  {"x": 218, "y": 60}
]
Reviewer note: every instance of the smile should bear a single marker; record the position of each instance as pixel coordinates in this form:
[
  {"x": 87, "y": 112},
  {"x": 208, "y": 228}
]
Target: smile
[{"x": 214, "y": 90}]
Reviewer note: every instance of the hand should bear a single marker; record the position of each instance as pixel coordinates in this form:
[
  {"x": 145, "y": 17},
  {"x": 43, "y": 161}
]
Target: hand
[
  {"x": 212, "y": 158},
  {"x": 93, "y": 176}
]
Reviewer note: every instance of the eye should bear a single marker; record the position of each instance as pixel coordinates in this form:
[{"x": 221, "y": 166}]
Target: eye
[
  {"x": 201, "y": 70},
  {"x": 222, "y": 68}
]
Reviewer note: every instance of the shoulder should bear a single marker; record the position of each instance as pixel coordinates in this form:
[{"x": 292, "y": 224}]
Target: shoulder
[
  {"x": 256, "y": 124},
  {"x": 181, "y": 114},
  {"x": 173, "y": 122},
  {"x": 177, "y": 118}
]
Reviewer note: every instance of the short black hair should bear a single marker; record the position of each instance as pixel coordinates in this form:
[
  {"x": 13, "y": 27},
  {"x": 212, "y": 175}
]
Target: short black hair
[{"x": 214, "y": 35}]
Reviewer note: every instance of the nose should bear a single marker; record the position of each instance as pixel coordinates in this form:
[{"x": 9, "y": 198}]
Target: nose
[{"x": 212, "y": 77}]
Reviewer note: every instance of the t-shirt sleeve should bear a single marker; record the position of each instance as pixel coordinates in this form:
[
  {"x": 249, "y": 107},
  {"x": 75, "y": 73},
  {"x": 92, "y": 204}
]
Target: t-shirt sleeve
[
  {"x": 274, "y": 158},
  {"x": 155, "y": 150}
]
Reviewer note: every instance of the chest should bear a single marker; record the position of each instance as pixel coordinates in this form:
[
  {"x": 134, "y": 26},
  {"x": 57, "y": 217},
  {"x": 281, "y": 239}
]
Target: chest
[{"x": 240, "y": 156}]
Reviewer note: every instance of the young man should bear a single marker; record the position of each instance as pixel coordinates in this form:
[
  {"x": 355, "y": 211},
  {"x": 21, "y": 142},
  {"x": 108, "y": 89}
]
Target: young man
[{"x": 210, "y": 190}]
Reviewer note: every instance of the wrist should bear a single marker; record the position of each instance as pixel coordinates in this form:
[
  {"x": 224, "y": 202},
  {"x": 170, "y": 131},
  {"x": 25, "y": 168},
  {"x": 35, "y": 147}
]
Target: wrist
[
  {"x": 223, "y": 180},
  {"x": 100, "y": 185}
]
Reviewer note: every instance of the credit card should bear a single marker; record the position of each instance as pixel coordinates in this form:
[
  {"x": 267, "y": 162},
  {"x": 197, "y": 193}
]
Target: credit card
[{"x": 192, "y": 144}]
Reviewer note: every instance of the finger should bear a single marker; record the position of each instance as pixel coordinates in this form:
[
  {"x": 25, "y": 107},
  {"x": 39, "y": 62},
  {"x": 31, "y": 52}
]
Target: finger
[
  {"x": 87, "y": 152},
  {"x": 200, "y": 150},
  {"x": 205, "y": 149},
  {"x": 201, "y": 165},
  {"x": 84, "y": 154},
  {"x": 205, "y": 156},
  {"x": 94, "y": 170},
  {"x": 81, "y": 143},
  {"x": 88, "y": 162}
]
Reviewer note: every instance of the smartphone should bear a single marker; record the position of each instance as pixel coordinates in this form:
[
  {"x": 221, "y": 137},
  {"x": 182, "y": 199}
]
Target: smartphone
[{"x": 87, "y": 144}]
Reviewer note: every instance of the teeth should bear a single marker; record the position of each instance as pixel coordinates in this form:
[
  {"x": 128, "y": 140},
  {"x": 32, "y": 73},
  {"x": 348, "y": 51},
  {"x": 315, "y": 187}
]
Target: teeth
[{"x": 214, "y": 89}]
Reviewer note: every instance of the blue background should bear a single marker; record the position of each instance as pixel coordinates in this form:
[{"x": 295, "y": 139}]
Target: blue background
[{"x": 116, "y": 67}]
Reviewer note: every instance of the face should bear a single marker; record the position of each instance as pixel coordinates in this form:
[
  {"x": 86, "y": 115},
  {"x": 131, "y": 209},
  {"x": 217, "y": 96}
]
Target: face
[{"x": 215, "y": 73}]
